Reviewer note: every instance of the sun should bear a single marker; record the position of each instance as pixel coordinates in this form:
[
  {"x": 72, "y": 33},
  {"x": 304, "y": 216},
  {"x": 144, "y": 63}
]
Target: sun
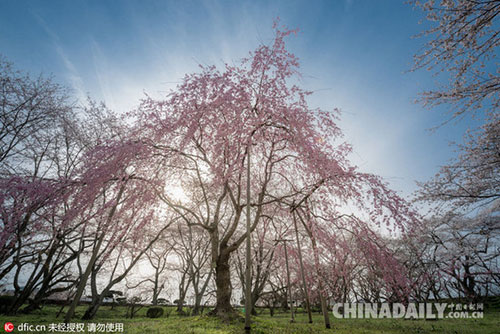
[{"x": 177, "y": 193}]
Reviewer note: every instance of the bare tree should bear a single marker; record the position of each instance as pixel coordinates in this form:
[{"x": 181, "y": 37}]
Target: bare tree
[
  {"x": 157, "y": 257},
  {"x": 464, "y": 41},
  {"x": 263, "y": 262},
  {"x": 466, "y": 254},
  {"x": 465, "y": 194},
  {"x": 473, "y": 179},
  {"x": 28, "y": 106}
]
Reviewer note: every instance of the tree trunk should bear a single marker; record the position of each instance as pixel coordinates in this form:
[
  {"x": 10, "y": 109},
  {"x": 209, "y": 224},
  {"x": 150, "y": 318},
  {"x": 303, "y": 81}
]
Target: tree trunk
[
  {"x": 196, "y": 308},
  {"x": 34, "y": 279},
  {"x": 324, "y": 306},
  {"x": 93, "y": 257},
  {"x": 304, "y": 284},
  {"x": 97, "y": 298},
  {"x": 182, "y": 293},
  {"x": 200, "y": 293},
  {"x": 155, "y": 289},
  {"x": 92, "y": 309},
  {"x": 223, "y": 308},
  {"x": 254, "y": 301},
  {"x": 223, "y": 283}
]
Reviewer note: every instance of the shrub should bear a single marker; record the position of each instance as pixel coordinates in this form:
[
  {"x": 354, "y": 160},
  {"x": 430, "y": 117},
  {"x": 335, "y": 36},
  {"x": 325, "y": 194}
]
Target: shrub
[
  {"x": 154, "y": 312},
  {"x": 5, "y": 302}
]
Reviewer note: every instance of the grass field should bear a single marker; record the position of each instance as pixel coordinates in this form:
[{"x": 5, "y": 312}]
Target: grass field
[{"x": 262, "y": 324}]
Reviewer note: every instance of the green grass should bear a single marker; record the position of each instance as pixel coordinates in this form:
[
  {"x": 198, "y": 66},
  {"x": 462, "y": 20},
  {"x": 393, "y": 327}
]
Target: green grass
[{"x": 264, "y": 324}]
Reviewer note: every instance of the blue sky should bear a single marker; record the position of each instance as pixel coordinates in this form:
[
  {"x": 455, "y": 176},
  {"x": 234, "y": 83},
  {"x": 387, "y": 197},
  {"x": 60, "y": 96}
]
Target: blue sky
[{"x": 354, "y": 54}]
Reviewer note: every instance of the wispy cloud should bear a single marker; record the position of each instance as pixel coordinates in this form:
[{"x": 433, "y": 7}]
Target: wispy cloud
[
  {"x": 101, "y": 67},
  {"x": 72, "y": 74}
]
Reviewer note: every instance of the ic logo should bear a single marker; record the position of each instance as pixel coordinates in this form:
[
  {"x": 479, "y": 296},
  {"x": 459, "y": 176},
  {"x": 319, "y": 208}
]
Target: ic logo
[{"x": 9, "y": 327}]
